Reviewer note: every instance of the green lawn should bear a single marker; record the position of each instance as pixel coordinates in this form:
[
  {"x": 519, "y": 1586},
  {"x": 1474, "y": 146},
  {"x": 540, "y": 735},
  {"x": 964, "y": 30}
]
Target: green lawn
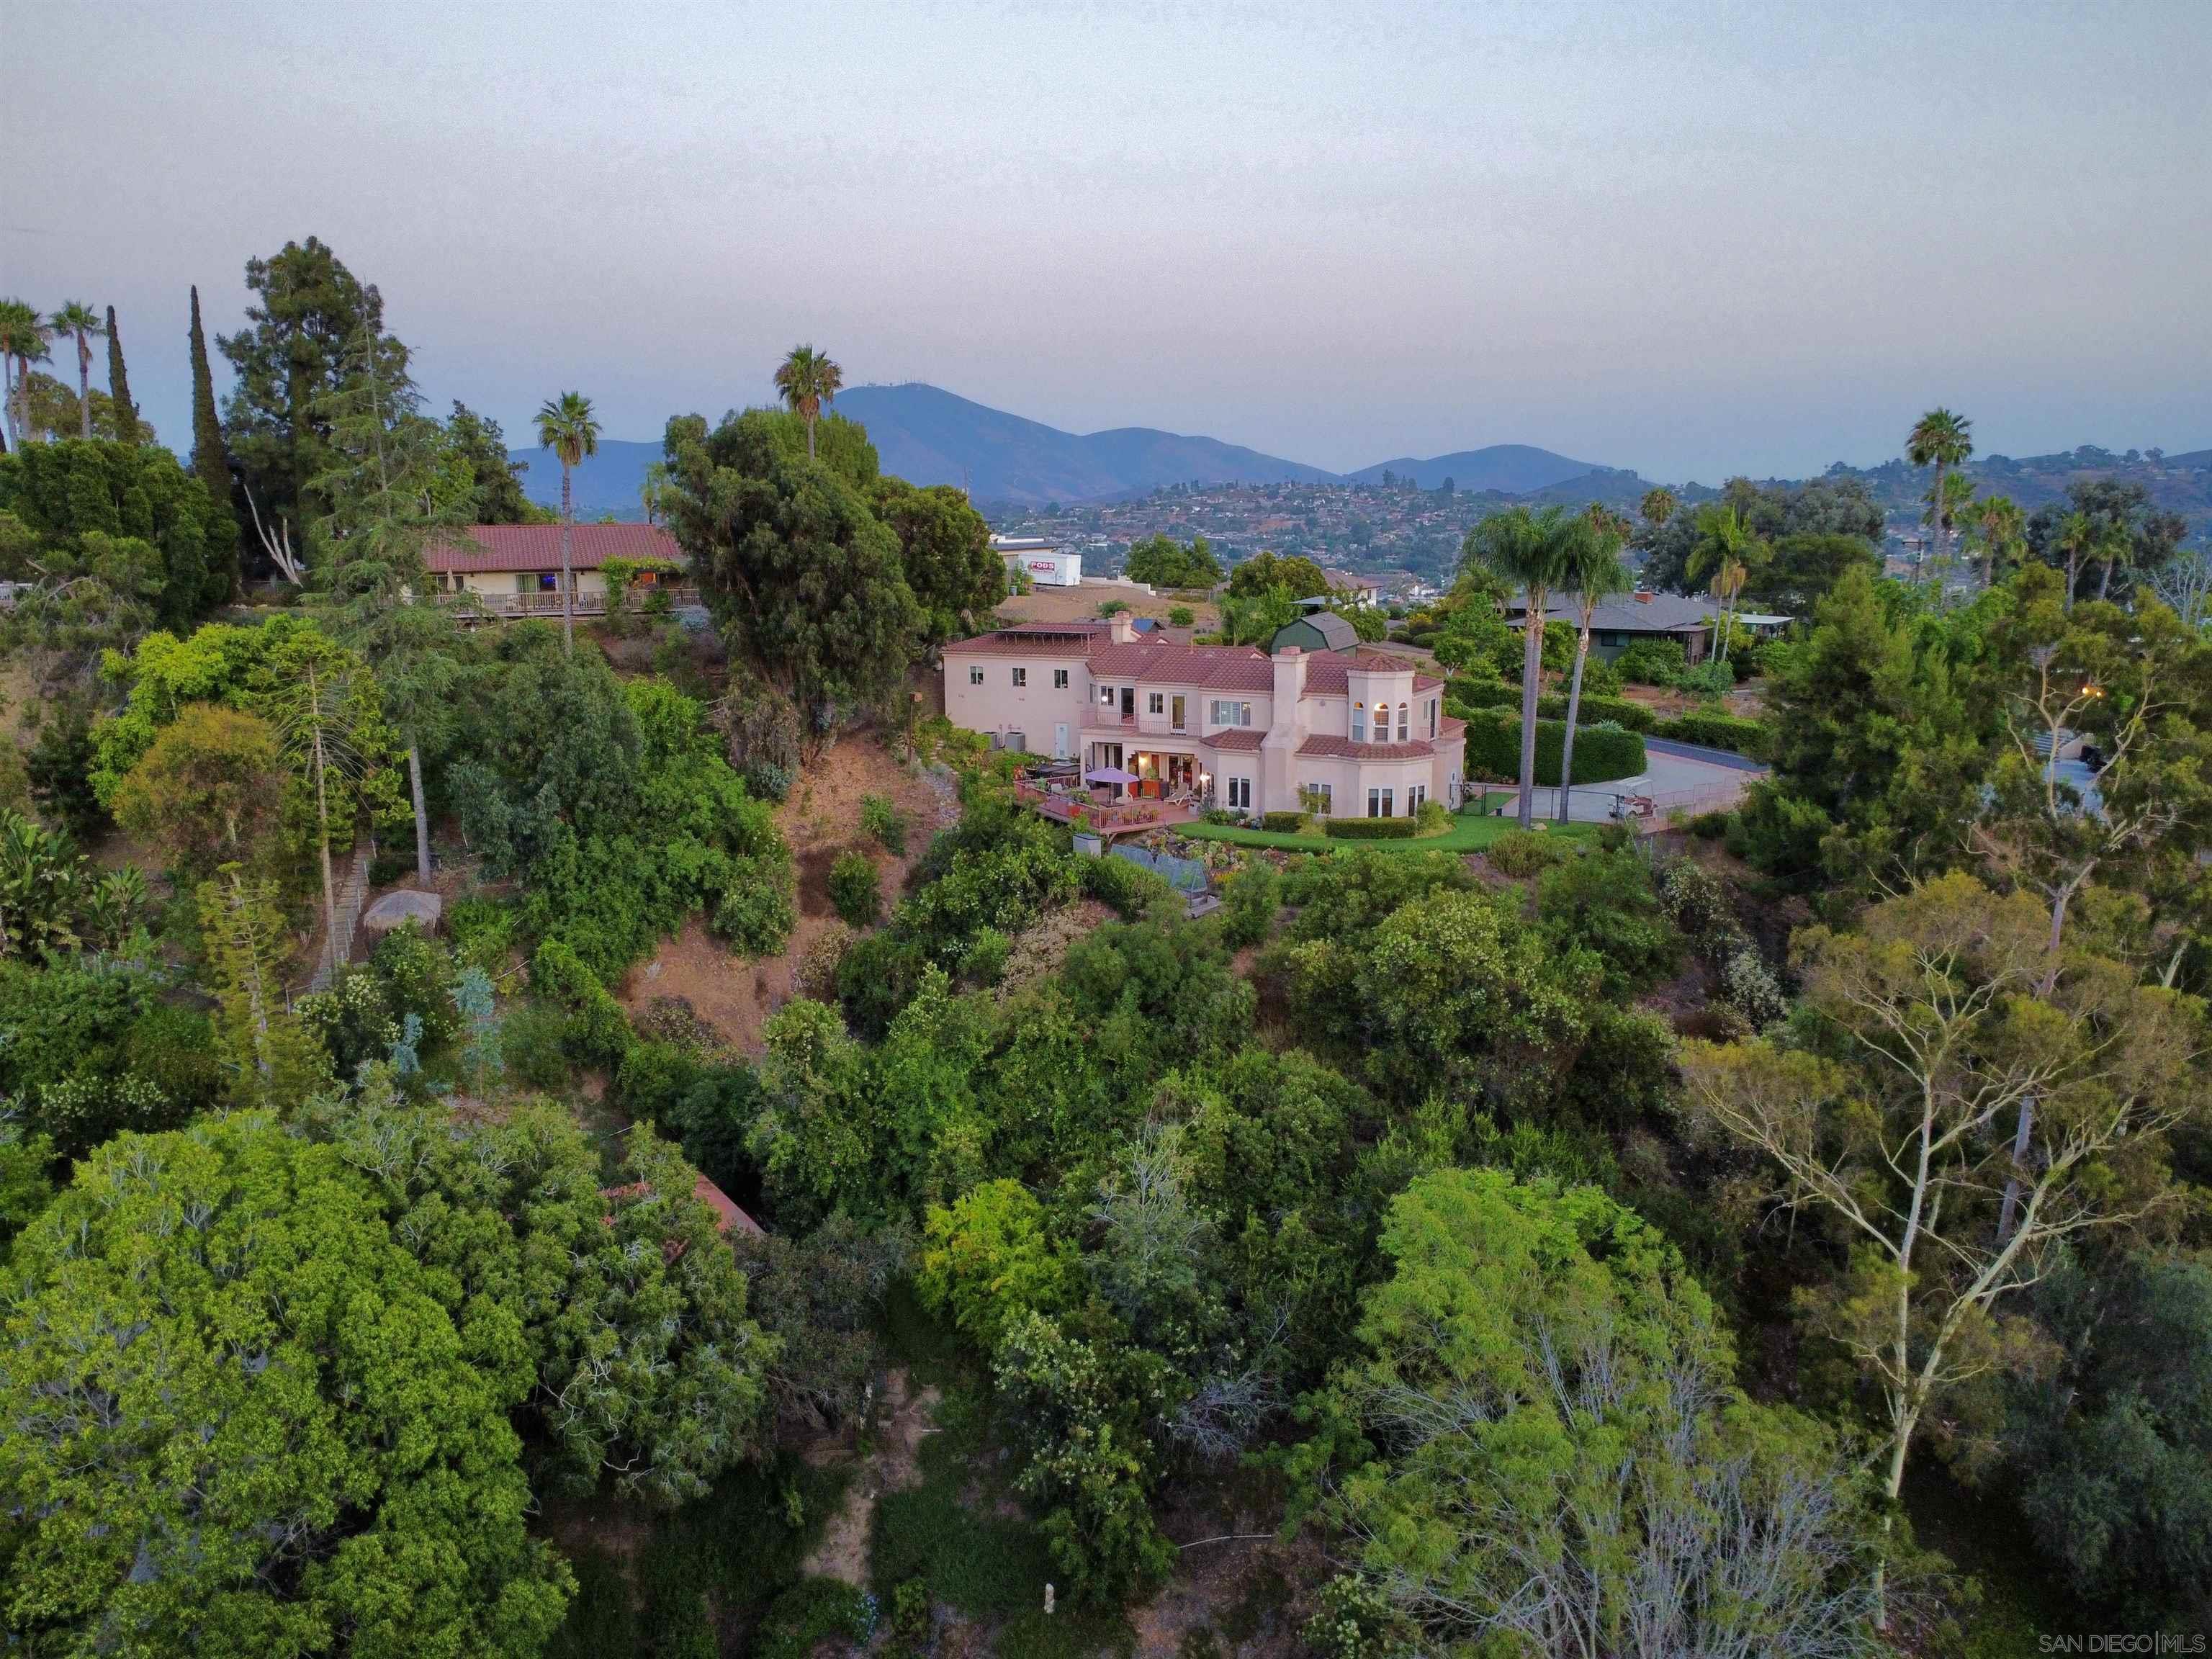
[{"x": 1471, "y": 830}]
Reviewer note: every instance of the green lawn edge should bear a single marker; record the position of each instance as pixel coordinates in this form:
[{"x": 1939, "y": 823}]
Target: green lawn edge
[{"x": 1471, "y": 830}]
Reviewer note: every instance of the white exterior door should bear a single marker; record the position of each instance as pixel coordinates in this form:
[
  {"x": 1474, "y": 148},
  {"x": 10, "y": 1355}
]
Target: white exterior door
[{"x": 1059, "y": 742}]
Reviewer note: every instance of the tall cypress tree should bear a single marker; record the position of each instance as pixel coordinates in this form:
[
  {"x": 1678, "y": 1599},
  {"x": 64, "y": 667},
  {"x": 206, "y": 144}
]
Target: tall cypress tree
[
  {"x": 209, "y": 464},
  {"x": 119, "y": 387},
  {"x": 211, "y": 461}
]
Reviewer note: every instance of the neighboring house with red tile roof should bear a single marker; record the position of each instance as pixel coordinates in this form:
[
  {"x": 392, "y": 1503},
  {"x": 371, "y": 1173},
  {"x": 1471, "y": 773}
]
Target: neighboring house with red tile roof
[
  {"x": 516, "y": 567},
  {"x": 1364, "y": 729}
]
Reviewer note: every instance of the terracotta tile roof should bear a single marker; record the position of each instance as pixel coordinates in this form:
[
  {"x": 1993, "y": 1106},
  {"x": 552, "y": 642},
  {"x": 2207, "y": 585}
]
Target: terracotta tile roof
[
  {"x": 1326, "y": 675},
  {"x": 1161, "y": 662},
  {"x": 1234, "y": 739},
  {"x": 495, "y": 547},
  {"x": 1326, "y": 748}
]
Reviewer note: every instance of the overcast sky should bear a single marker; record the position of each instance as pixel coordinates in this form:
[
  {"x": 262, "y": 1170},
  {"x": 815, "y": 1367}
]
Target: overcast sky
[{"x": 1694, "y": 241}]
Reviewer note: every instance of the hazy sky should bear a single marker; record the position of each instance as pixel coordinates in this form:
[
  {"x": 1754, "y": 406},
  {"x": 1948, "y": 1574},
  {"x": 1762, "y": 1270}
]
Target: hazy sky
[{"x": 1693, "y": 240}]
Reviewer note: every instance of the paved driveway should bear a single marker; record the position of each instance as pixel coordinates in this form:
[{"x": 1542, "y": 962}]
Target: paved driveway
[{"x": 1676, "y": 777}]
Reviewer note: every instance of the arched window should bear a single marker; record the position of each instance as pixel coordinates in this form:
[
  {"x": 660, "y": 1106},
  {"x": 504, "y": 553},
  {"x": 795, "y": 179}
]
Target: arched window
[
  {"x": 1360, "y": 722},
  {"x": 1405, "y": 721}
]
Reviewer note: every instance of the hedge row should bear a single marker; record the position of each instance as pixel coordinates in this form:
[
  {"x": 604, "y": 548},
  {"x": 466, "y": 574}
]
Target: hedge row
[
  {"x": 1601, "y": 754},
  {"x": 1286, "y": 823},
  {"x": 1717, "y": 732},
  {"x": 1370, "y": 829}
]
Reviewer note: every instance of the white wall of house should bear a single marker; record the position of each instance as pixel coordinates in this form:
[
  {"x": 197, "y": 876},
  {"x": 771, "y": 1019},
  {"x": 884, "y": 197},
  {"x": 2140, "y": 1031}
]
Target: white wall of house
[{"x": 1045, "y": 698}]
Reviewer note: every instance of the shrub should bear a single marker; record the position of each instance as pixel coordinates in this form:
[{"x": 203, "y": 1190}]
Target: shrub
[
  {"x": 1128, "y": 889},
  {"x": 1224, "y": 815},
  {"x": 1708, "y": 826},
  {"x": 1432, "y": 818},
  {"x": 756, "y": 912},
  {"x": 1181, "y": 616},
  {"x": 1372, "y": 828},
  {"x": 1113, "y": 607},
  {"x": 766, "y": 780},
  {"x": 1249, "y": 900},
  {"x": 1600, "y": 678},
  {"x": 815, "y": 1610},
  {"x": 1519, "y": 853},
  {"x": 1740, "y": 737},
  {"x": 1286, "y": 823},
  {"x": 1601, "y": 754},
  {"x": 1652, "y": 662},
  {"x": 531, "y": 1043},
  {"x": 1464, "y": 694},
  {"x": 597, "y": 1031},
  {"x": 855, "y": 891},
  {"x": 885, "y": 823},
  {"x": 1709, "y": 679},
  {"x": 1621, "y": 711},
  {"x": 483, "y": 932},
  {"x": 816, "y": 974},
  {"x": 985, "y": 963}
]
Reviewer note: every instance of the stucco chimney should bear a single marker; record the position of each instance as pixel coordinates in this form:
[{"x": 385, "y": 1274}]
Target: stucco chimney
[
  {"x": 1121, "y": 628},
  {"x": 1290, "y": 665}
]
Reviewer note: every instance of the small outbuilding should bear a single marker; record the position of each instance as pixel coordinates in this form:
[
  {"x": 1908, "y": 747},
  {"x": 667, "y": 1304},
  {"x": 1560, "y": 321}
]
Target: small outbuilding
[
  {"x": 1317, "y": 630},
  {"x": 396, "y": 909}
]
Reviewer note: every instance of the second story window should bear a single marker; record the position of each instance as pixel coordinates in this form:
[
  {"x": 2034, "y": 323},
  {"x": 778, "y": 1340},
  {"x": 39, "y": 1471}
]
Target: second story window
[
  {"x": 1360, "y": 722},
  {"x": 1432, "y": 718},
  {"x": 1156, "y": 702},
  {"x": 1021, "y": 677},
  {"x": 1405, "y": 716},
  {"x": 1060, "y": 679},
  {"x": 976, "y": 673}
]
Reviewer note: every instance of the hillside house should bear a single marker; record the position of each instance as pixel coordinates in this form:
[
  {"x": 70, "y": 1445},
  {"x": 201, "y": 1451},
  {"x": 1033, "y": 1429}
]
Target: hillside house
[
  {"x": 1218, "y": 726},
  {"x": 514, "y": 569}
]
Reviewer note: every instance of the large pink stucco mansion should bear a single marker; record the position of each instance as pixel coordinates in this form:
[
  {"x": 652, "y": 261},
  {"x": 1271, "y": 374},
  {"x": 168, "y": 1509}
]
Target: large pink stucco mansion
[{"x": 1244, "y": 730}]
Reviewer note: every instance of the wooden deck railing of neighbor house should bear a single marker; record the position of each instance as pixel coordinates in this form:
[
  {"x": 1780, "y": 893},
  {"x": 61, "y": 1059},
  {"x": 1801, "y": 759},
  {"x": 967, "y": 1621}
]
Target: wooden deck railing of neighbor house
[{"x": 587, "y": 604}]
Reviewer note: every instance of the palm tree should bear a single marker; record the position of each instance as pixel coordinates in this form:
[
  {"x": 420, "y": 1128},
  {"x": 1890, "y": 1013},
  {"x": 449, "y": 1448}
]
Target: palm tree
[
  {"x": 1657, "y": 506},
  {"x": 566, "y": 426},
  {"x": 1997, "y": 527},
  {"x": 2077, "y": 535},
  {"x": 809, "y": 382},
  {"x": 80, "y": 321},
  {"x": 1529, "y": 550},
  {"x": 1728, "y": 551},
  {"x": 1593, "y": 573},
  {"x": 1938, "y": 439},
  {"x": 22, "y": 343}
]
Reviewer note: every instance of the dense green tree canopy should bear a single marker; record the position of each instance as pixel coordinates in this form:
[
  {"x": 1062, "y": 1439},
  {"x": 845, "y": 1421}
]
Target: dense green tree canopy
[
  {"x": 1264, "y": 570},
  {"x": 944, "y": 548},
  {"x": 808, "y": 584},
  {"x": 64, "y": 492},
  {"x": 1164, "y": 563},
  {"x": 240, "y": 1422},
  {"x": 1542, "y": 1446},
  {"x": 310, "y": 315}
]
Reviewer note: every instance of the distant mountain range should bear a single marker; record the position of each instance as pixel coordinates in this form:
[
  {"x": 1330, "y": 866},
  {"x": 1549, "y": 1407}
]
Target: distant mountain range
[
  {"x": 930, "y": 436},
  {"x": 1512, "y": 468}
]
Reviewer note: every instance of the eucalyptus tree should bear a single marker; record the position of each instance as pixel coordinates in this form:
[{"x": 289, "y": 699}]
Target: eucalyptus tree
[
  {"x": 809, "y": 382},
  {"x": 567, "y": 427},
  {"x": 1939, "y": 438},
  {"x": 1527, "y": 550},
  {"x": 1593, "y": 573},
  {"x": 1926, "y": 1031},
  {"x": 78, "y": 321}
]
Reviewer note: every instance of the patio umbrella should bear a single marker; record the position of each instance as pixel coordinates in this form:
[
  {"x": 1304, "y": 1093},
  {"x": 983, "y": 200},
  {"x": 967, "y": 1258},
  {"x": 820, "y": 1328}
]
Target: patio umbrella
[{"x": 1109, "y": 775}]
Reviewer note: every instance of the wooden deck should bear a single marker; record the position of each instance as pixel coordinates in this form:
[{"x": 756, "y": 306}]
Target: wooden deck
[
  {"x": 507, "y": 606},
  {"x": 1120, "y": 818}
]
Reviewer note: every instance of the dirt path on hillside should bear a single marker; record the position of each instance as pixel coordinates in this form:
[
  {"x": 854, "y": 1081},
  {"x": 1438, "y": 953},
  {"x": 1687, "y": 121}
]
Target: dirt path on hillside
[
  {"x": 820, "y": 821},
  {"x": 906, "y": 1418}
]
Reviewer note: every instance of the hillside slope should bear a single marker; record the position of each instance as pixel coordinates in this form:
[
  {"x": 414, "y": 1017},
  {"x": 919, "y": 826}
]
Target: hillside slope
[{"x": 1511, "y": 468}]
